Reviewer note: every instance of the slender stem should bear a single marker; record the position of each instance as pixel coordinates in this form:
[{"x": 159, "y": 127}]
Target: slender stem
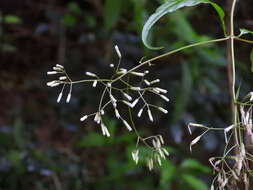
[
  {"x": 91, "y": 80},
  {"x": 244, "y": 40},
  {"x": 170, "y": 53},
  {"x": 232, "y": 49}
]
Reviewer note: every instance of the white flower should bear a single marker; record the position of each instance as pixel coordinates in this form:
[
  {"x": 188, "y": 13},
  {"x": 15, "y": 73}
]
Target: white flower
[
  {"x": 127, "y": 103},
  {"x": 135, "y": 102},
  {"x": 97, "y": 118},
  {"x": 63, "y": 78},
  {"x": 59, "y": 97},
  {"x": 150, "y": 115},
  {"x": 165, "y": 98},
  {"x": 95, "y": 83},
  {"x": 163, "y": 110},
  {"x": 150, "y": 164},
  {"x": 138, "y": 74},
  {"x": 117, "y": 51},
  {"x": 140, "y": 112},
  {"x": 112, "y": 98},
  {"x": 161, "y": 139},
  {"x": 127, "y": 96},
  {"x": 60, "y": 66},
  {"x": 52, "y": 72},
  {"x": 117, "y": 113},
  {"x": 83, "y": 118},
  {"x": 195, "y": 141},
  {"x": 147, "y": 82},
  {"x": 68, "y": 98},
  {"x": 161, "y": 90},
  {"x": 155, "y": 81},
  {"x": 105, "y": 131},
  {"x": 91, "y": 74},
  {"x": 52, "y": 83},
  {"x": 155, "y": 90},
  {"x": 251, "y": 96},
  {"x": 122, "y": 71},
  {"x": 135, "y": 88},
  {"x": 127, "y": 125},
  {"x": 166, "y": 152},
  {"x": 57, "y": 69},
  {"x": 135, "y": 156}
]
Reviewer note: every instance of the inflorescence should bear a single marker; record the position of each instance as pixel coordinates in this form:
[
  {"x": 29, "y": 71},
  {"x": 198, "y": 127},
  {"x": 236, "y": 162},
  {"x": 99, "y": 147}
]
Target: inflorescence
[
  {"x": 234, "y": 164},
  {"x": 119, "y": 90}
]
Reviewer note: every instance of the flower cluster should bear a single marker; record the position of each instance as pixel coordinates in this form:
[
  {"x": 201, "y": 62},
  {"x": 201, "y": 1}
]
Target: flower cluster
[
  {"x": 157, "y": 151},
  {"x": 118, "y": 89},
  {"x": 234, "y": 164},
  {"x": 62, "y": 80}
]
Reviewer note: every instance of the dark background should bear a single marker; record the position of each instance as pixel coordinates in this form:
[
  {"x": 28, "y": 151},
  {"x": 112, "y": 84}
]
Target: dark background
[{"x": 44, "y": 146}]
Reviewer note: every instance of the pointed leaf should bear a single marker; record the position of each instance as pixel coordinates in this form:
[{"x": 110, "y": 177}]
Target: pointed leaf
[
  {"x": 171, "y": 6},
  {"x": 112, "y": 11},
  {"x": 191, "y": 164},
  {"x": 194, "y": 182},
  {"x": 244, "y": 31}
]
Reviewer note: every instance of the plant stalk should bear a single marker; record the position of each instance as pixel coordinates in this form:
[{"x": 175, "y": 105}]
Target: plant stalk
[{"x": 232, "y": 70}]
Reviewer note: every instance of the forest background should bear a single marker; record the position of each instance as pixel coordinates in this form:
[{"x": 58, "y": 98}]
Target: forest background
[{"x": 44, "y": 146}]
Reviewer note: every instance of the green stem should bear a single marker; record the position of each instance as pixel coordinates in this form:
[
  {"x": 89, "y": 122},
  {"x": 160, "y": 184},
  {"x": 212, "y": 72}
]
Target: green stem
[
  {"x": 232, "y": 49},
  {"x": 170, "y": 53},
  {"x": 244, "y": 40}
]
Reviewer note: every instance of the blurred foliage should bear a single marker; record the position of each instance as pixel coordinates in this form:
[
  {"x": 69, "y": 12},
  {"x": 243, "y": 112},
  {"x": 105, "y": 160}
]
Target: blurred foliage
[{"x": 44, "y": 146}]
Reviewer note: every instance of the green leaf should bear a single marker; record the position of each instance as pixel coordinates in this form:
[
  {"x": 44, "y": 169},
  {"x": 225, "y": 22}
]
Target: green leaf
[
  {"x": 194, "y": 182},
  {"x": 11, "y": 19},
  {"x": 171, "y": 6},
  {"x": 251, "y": 59},
  {"x": 112, "y": 10},
  {"x": 93, "y": 140},
  {"x": 69, "y": 20},
  {"x": 74, "y": 7},
  {"x": 244, "y": 31},
  {"x": 191, "y": 164},
  {"x": 140, "y": 13},
  {"x": 167, "y": 173}
]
